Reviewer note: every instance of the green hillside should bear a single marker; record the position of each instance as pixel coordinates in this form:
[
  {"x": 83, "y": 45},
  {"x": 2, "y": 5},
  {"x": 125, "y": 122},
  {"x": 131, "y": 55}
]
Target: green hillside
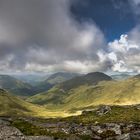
[
  {"x": 15, "y": 86},
  {"x": 53, "y": 80},
  {"x": 88, "y": 79},
  {"x": 14, "y": 106},
  {"x": 72, "y": 92},
  {"x": 125, "y": 92}
]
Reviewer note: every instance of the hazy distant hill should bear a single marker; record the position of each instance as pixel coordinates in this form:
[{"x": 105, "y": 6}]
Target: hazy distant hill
[
  {"x": 15, "y": 86},
  {"x": 32, "y": 79},
  {"x": 60, "y": 77},
  {"x": 120, "y": 76}
]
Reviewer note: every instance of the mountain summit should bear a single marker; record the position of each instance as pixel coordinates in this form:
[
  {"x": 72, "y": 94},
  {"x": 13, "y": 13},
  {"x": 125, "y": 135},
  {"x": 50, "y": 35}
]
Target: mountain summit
[
  {"x": 90, "y": 79},
  {"x": 60, "y": 92}
]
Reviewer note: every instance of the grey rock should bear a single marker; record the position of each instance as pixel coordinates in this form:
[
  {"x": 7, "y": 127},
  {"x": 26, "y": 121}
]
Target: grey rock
[
  {"x": 135, "y": 135},
  {"x": 114, "y": 127},
  {"x": 4, "y": 122},
  {"x": 10, "y": 133},
  {"x": 103, "y": 110},
  {"x": 39, "y": 138},
  {"x": 123, "y": 137}
]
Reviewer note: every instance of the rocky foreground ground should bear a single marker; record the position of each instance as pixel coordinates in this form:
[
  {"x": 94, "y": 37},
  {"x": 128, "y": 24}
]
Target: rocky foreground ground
[
  {"x": 8, "y": 132},
  {"x": 73, "y": 131},
  {"x": 22, "y": 128}
]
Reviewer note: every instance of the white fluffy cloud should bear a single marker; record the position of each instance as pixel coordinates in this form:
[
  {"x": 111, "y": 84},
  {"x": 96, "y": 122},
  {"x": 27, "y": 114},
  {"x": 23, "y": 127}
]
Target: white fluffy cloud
[{"x": 124, "y": 54}]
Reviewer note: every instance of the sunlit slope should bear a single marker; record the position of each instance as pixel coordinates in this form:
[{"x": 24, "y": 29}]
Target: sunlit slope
[
  {"x": 14, "y": 106},
  {"x": 59, "y": 94},
  {"x": 125, "y": 92}
]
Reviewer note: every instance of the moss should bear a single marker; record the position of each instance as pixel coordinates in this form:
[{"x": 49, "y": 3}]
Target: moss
[
  {"x": 107, "y": 133},
  {"x": 117, "y": 114},
  {"x": 32, "y": 130}
]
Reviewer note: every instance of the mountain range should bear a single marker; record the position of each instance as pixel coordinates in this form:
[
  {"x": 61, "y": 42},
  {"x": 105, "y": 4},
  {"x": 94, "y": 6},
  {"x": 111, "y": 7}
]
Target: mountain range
[
  {"x": 69, "y": 96},
  {"x": 92, "y": 89},
  {"x": 15, "y": 86}
]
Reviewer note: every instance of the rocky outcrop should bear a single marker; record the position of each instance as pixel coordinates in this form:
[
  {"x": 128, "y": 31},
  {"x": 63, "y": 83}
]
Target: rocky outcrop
[
  {"x": 103, "y": 110},
  {"x": 73, "y": 131},
  {"x": 10, "y": 133}
]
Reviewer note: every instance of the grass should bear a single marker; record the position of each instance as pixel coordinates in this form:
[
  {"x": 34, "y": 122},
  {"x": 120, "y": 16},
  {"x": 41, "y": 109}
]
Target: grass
[
  {"x": 14, "y": 106},
  {"x": 31, "y": 130},
  {"x": 125, "y": 92},
  {"x": 118, "y": 114}
]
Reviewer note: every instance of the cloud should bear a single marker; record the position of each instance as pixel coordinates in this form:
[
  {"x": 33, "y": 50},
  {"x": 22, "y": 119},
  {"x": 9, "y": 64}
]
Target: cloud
[
  {"x": 124, "y": 53},
  {"x": 43, "y": 36},
  {"x": 136, "y": 2}
]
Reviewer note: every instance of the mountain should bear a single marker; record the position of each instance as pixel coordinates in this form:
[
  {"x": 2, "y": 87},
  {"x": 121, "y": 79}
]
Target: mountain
[
  {"x": 54, "y": 79},
  {"x": 59, "y": 93},
  {"x": 32, "y": 79},
  {"x": 11, "y": 105},
  {"x": 15, "y": 86},
  {"x": 120, "y": 76},
  {"x": 60, "y": 77},
  {"x": 76, "y": 97},
  {"x": 14, "y": 106},
  {"x": 89, "y": 79}
]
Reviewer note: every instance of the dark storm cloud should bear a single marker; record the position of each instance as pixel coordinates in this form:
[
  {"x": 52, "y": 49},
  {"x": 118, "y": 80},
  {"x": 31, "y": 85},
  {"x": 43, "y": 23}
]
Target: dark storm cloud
[{"x": 43, "y": 35}]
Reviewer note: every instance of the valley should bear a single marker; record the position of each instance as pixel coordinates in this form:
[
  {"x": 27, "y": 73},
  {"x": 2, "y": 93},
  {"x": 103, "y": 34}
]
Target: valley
[{"x": 84, "y": 107}]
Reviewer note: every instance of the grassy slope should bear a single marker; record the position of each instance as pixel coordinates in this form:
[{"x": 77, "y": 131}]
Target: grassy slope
[
  {"x": 15, "y": 86},
  {"x": 14, "y": 106},
  {"x": 118, "y": 114},
  {"x": 124, "y": 92},
  {"x": 53, "y": 80}
]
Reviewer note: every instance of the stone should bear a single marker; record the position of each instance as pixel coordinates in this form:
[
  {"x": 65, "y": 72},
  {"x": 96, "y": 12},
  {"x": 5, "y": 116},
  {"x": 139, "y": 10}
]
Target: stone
[
  {"x": 103, "y": 110},
  {"x": 123, "y": 137},
  {"x": 114, "y": 127}
]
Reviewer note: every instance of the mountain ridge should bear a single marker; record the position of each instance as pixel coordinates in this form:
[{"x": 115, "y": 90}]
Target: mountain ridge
[
  {"x": 15, "y": 86},
  {"x": 57, "y": 94}
]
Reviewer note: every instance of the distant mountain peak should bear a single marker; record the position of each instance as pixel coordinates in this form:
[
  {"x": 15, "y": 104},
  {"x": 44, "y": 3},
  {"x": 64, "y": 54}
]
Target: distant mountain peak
[
  {"x": 90, "y": 79},
  {"x": 97, "y": 74}
]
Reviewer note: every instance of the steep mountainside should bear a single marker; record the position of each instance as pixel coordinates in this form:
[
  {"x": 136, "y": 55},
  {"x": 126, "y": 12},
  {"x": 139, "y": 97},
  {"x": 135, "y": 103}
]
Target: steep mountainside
[
  {"x": 60, "y": 93},
  {"x": 15, "y": 86},
  {"x": 88, "y": 79},
  {"x": 125, "y": 92},
  {"x": 13, "y": 106},
  {"x": 53, "y": 80}
]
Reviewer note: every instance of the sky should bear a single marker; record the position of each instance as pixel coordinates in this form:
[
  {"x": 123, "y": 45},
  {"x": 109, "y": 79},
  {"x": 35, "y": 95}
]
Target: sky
[{"x": 69, "y": 35}]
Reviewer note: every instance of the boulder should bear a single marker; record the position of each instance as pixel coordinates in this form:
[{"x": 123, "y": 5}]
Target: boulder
[{"x": 103, "y": 110}]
